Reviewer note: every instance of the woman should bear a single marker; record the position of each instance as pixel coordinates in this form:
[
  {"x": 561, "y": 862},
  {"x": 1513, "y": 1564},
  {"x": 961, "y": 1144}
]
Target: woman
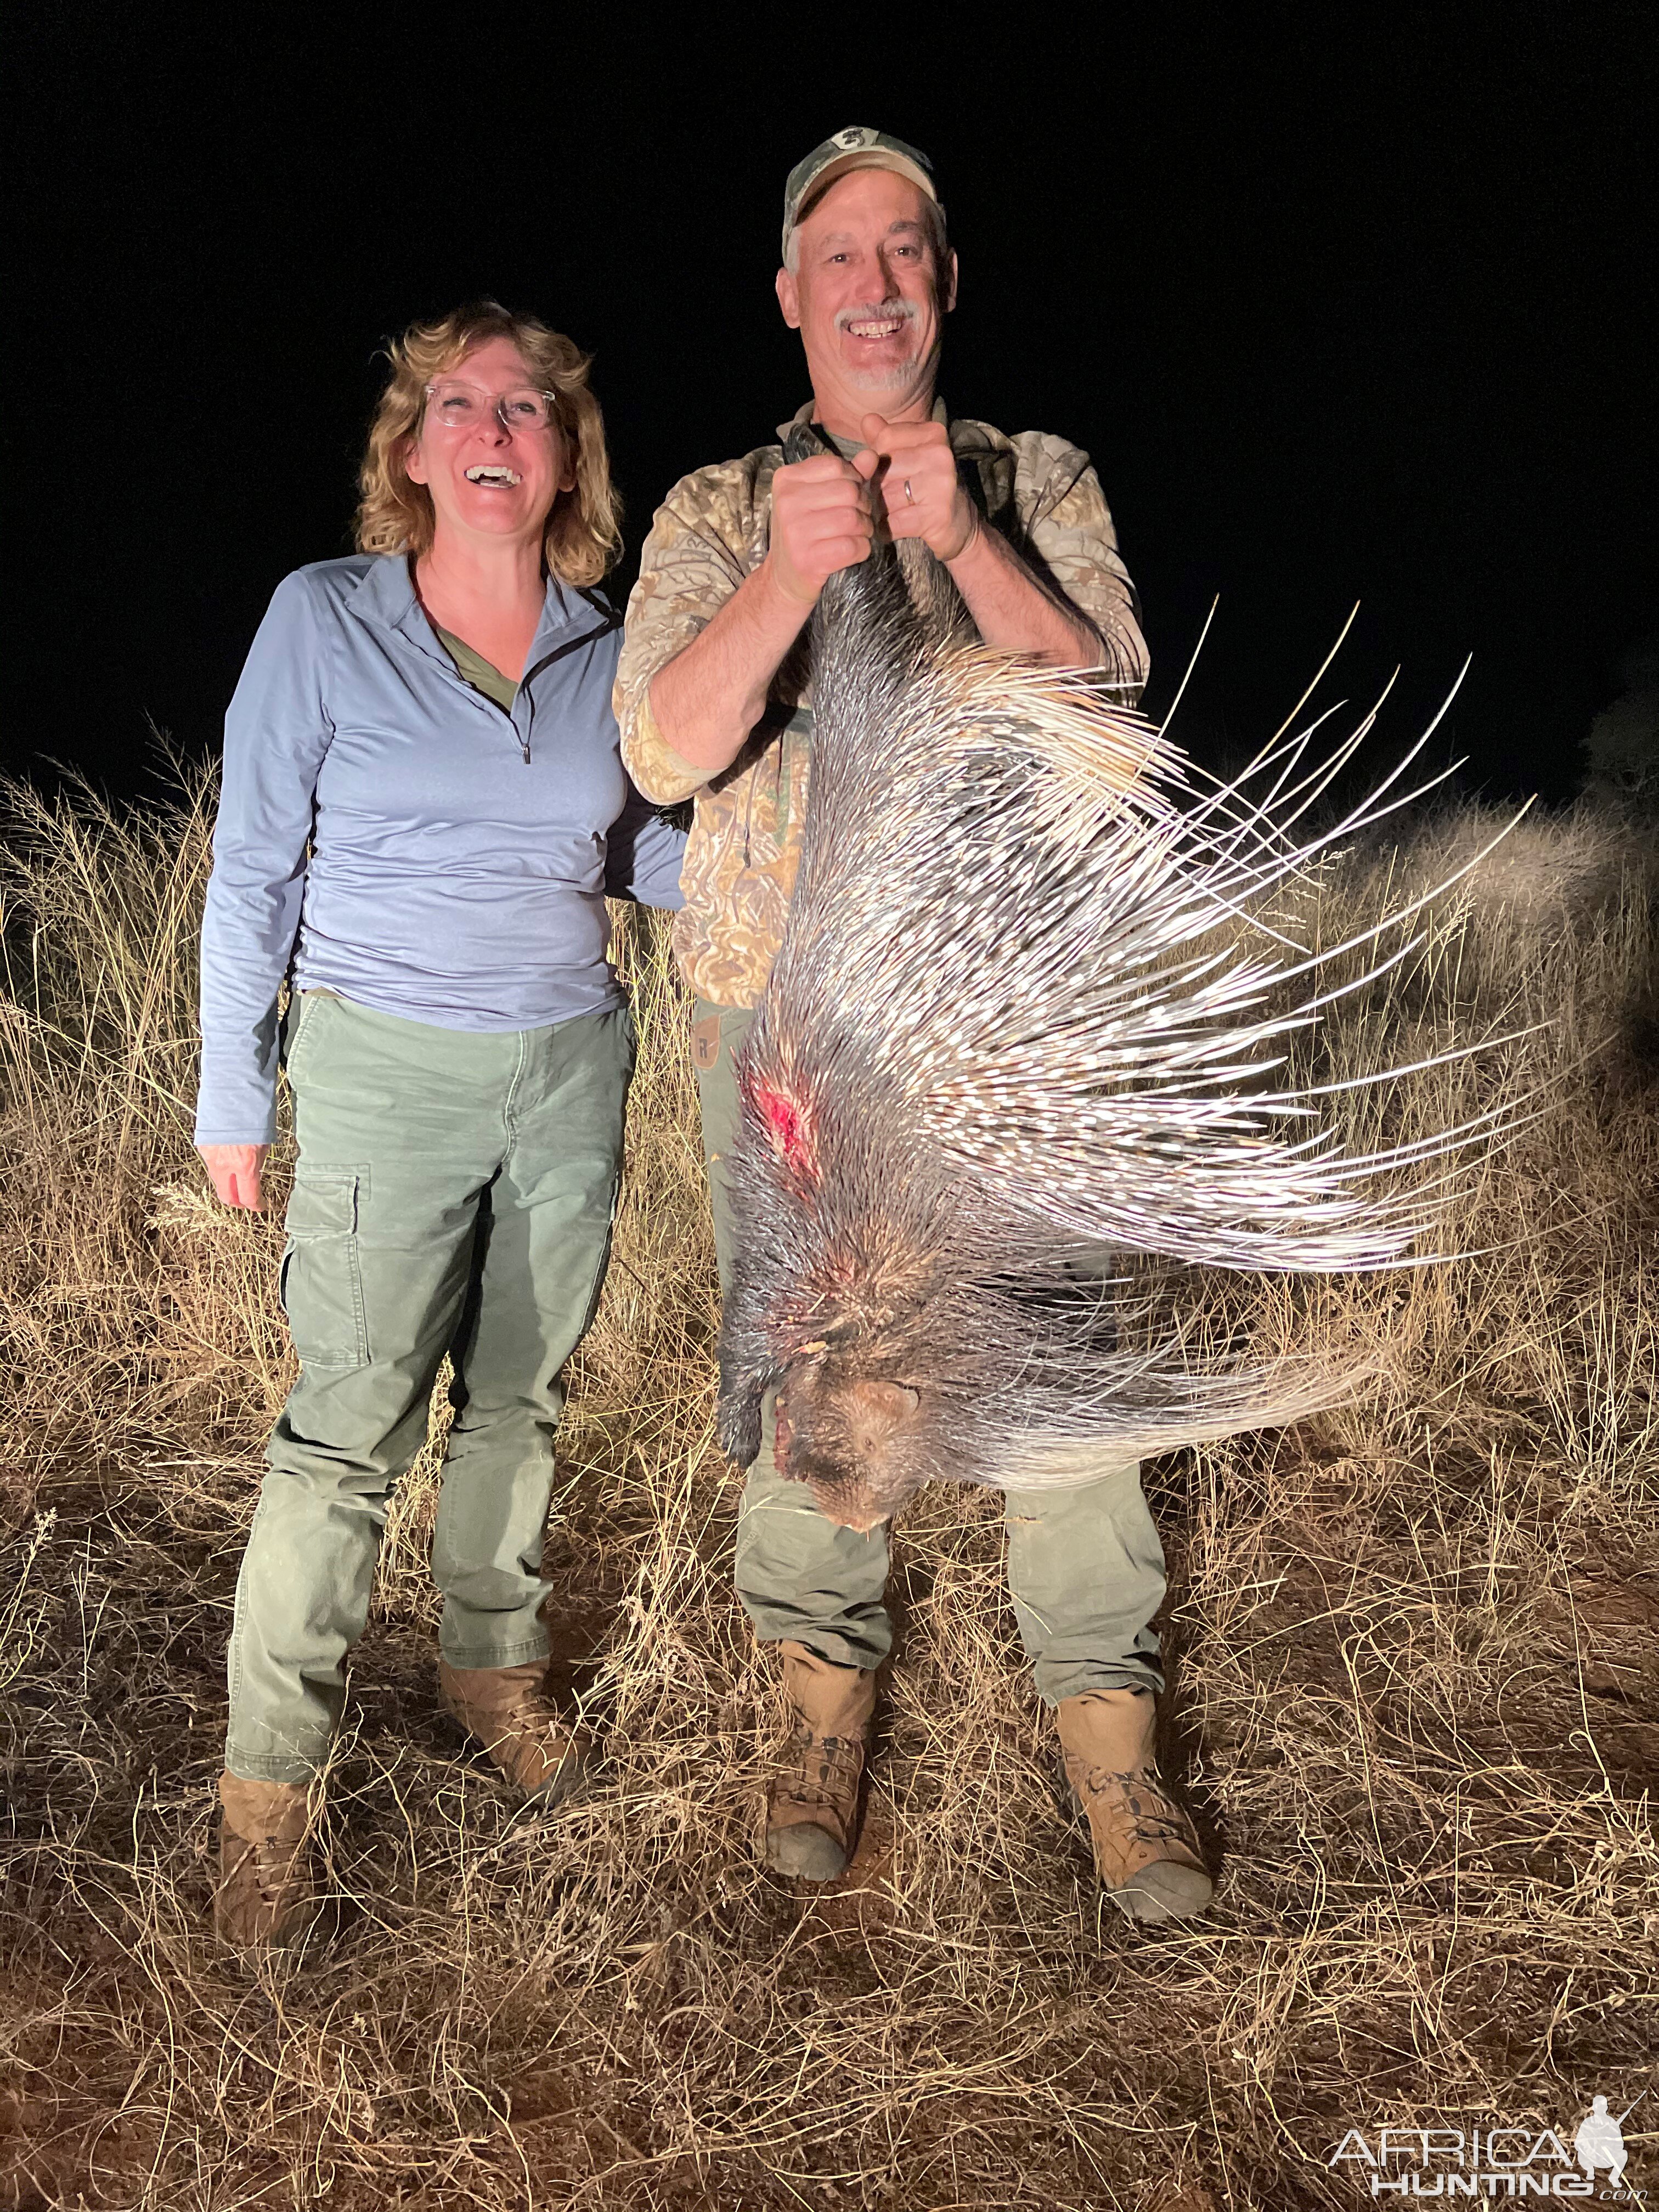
[{"x": 423, "y": 808}]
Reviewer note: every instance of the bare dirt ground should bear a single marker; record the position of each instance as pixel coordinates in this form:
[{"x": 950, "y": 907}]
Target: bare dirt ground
[{"x": 1415, "y": 1666}]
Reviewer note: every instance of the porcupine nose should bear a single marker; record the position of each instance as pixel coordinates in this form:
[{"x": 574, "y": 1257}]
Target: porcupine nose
[
  {"x": 860, "y": 1518},
  {"x": 842, "y": 1458}
]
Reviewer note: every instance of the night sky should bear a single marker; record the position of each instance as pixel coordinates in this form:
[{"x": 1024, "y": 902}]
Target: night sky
[{"x": 1346, "y": 304}]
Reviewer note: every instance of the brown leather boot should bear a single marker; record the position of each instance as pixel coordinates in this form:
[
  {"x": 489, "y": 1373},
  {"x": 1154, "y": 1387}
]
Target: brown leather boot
[
  {"x": 510, "y": 1712},
  {"x": 812, "y": 1799},
  {"x": 265, "y": 1894},
  {"x": 1147, "y": 1849}
]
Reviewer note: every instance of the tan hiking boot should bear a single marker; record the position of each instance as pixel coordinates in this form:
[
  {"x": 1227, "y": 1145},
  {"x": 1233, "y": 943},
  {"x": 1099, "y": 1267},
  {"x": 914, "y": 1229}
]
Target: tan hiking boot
[
  {"x": 1147, "y": 1849},
  {"x": 510, "y": 1712},
  {"x": 812, "y": 1799},
  {"x": 265, "y": 1894}
]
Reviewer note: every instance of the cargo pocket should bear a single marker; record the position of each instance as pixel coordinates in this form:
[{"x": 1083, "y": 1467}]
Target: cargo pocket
[{"x": 322, "y": 1286}]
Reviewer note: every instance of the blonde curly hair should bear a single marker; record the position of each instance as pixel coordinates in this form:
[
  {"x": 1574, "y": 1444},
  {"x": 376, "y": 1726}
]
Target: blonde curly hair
[{"x": 394, "y": 514}]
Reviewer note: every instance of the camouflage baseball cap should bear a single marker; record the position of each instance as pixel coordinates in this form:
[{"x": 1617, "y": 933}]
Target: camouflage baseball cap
[{"x": 854, "y": 149}]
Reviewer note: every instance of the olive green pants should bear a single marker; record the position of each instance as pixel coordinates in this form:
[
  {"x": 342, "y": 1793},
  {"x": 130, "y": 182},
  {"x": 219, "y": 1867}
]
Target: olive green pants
[
  {"x": 453, "y": 1194},
  {"x": 1085, "y": 1569}
]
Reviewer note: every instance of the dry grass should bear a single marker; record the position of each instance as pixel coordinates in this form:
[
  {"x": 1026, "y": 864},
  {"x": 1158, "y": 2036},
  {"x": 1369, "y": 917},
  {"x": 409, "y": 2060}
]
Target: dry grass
[{"x": 1416, "y": 1655}]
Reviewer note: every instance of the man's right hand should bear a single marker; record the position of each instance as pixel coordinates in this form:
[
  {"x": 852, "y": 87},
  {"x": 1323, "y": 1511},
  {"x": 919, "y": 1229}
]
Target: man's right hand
[
  {"x": 821, "y": 521},
  {"x": 708, "y": 699},
  {"x": 235, "y": 1172}
]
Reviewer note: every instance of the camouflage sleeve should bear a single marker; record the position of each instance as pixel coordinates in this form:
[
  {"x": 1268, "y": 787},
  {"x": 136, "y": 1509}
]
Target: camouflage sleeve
[
  {"x": 1069, "y": 527},
  {"x": 687, "y": 572}
]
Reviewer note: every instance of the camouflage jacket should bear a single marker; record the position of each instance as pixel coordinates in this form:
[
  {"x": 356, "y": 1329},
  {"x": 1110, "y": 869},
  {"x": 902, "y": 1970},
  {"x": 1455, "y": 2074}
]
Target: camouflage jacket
[{"x": 708, "y": 534}]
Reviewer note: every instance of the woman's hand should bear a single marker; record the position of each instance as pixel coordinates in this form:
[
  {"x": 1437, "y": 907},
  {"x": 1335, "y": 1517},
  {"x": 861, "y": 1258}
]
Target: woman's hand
[{"x": 235, "y": 1172}]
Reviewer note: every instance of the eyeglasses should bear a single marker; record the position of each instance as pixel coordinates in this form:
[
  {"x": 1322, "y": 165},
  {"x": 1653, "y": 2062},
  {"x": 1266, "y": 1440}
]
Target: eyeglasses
[{"x": 455, "y": 405}]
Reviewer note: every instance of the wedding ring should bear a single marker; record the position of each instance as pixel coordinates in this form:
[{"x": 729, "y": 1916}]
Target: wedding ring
[{"x": 909, "y": 496}]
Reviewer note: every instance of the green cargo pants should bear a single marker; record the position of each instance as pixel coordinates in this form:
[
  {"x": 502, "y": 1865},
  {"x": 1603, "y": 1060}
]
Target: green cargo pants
[
  {"x": 1086, "y": 1568},
  {"x": 453, "y": 1194}
]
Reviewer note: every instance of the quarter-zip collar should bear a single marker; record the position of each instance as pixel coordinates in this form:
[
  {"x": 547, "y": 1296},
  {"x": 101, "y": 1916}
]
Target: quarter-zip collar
[{"x": 386, "y": 599}]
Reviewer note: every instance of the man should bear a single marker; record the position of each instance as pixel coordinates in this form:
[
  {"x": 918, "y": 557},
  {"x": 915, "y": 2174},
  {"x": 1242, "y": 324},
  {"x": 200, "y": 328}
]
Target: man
[{"x": 714, "y": 697}]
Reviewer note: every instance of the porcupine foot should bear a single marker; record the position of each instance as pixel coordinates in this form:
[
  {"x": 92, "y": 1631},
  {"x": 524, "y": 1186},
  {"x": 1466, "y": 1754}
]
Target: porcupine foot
[{"x": 738, "y": 1422}]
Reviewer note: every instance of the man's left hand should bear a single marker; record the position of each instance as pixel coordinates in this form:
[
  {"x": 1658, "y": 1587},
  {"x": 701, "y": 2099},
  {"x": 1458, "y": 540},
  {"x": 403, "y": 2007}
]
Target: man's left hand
[{"x": 912, "y": 465}]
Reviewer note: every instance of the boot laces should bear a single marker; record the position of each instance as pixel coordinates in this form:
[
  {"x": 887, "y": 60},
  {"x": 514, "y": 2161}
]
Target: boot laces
[
  {"x": 273, "y": 1865},
  {"x": 1155, "y": 1817},
  {"x": 825, "y": 1769}
]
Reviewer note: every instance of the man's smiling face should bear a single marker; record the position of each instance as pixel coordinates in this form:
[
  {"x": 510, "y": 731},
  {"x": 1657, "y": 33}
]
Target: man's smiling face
[{"x": 866, "y": 293}]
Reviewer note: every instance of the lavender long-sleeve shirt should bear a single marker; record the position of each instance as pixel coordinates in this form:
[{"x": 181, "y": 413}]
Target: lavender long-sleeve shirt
[{"x": 387, "y": 832}]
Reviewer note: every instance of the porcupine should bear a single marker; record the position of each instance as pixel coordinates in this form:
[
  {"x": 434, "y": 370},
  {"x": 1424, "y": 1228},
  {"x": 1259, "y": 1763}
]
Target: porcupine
[{"x": 992, "y": 1086}]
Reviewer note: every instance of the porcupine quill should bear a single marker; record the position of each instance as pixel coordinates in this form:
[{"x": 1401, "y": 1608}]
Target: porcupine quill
[{"x": 995, "y": 1100}]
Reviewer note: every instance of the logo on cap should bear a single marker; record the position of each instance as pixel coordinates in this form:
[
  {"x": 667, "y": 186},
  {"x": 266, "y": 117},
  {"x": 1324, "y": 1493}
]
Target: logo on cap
[{"x": 857, "y": 147}]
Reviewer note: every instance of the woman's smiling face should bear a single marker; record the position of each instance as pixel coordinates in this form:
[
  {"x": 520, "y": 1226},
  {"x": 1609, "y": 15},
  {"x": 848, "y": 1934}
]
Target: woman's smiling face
[{"x": 485, "y": 478}]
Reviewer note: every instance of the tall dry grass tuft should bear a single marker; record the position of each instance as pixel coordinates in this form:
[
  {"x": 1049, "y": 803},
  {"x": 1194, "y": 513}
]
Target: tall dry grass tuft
[{"x": 1415, "y": 1654}]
